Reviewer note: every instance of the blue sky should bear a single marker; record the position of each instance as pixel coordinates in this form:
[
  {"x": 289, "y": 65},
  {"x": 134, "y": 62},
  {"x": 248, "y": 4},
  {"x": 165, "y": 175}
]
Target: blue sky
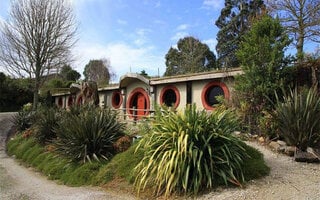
[{"x": 135, "y": 35}]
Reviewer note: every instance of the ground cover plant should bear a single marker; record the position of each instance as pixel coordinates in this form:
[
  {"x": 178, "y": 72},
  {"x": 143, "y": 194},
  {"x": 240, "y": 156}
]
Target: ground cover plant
[
  {"x": 192, "y": 151},
  {"x": 204, "y": 153}
]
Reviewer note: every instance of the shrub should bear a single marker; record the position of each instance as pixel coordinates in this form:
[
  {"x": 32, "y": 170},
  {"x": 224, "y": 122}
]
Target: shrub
[
  {"x": 268, "y": 126},
  {"x": 23, "y": 120},
  {"x": 121, "y": 166},
  {"x": 89, "y": 135},
  {"x": 191, "y": 151},
  {"x": 47, "y": 121},
  {"x": 298, "y": 117}
]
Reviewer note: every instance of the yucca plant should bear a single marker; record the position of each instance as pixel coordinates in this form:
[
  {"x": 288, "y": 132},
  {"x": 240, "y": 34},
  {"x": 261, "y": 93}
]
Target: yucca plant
[
  {"x": 46, "y": 121},
  {"x": 298, "y": 118},
  {"x": 89, "y": 135},
  {"x": 190, "y": 151},
  {"x": 23, "y": 120}
]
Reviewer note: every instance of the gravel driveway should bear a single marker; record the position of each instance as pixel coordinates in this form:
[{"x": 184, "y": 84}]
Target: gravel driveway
[
  {"x": 287, "y": 180},
  {"x": 18, "y": 182}
]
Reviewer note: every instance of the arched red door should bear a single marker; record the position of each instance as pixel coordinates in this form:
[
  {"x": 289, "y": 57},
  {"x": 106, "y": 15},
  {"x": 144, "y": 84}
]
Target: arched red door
[{"x": 141, "y": 105}]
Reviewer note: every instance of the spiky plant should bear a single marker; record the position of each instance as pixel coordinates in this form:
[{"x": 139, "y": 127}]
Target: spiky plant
[
  {"x": 23, "y": 120},
  {"x": 46, "y": 121},
  {"x": 190, "y": 151},
  {"x": 89, "y": 135},
  {"x": 298, "y": 118}
]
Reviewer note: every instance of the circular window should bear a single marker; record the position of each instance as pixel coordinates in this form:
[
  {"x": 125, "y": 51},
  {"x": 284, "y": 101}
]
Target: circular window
[
  {"x": 138, "y": 104},
  {"x": 116, "y": 99},
  {"x": 170, "y": 96},
  {"x": 210, "y": 93}
]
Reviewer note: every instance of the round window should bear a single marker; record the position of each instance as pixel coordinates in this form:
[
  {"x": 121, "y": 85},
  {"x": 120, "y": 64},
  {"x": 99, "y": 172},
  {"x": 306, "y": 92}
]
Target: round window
[
  {"x": 170, "y": 96},
  {"x": 210, "y": 93},
  {"x": 116, "y": 99}
]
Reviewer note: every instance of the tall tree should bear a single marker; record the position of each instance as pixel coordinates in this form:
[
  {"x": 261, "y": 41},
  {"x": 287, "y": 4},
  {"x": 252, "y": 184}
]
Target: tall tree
[
  {"x": 69, "y": 74},
  {"x": 36, "y": 39},
  {"x": 301, "y": 18},
  {"x": 233, "y": 22},
  {"x": 191, "y": 56},
  {"x": 98, "y": 71},
  {"x": 261, "y": 55}
]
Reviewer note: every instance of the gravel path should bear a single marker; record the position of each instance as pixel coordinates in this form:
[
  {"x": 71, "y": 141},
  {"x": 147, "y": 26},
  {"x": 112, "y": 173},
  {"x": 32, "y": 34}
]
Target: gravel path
[
  {"x": 287, "y": 180},
  {"x": 18, "y": 182}
]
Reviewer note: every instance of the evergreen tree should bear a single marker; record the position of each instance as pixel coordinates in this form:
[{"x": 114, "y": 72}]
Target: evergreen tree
[
  {"x": 261, "y": 55},
  {"x": 191, "y": 56},
  {"x": 234, "y": 22}
]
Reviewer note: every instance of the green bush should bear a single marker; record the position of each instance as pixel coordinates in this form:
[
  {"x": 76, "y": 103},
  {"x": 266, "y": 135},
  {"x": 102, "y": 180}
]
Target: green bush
[
  {"x": 84, "y": 174},
  {"x": 254, "y": 165},
  {"x": 298, "y": 117},
  {"x": 89, "y": 135},
  {"x": 191, "y": 151},
  {"x": 121, "y": 166},
  {"x": 268, "y": 126},
  {"x": 23, "y": 120},
  {"x": 47, "y": 121}
]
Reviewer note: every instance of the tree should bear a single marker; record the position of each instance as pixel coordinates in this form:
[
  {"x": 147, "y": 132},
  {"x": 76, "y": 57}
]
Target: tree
[
  {"x": 14, "y": 93},
  {"x": 233, "y": 22},
  {"x": 190, "y": 57},
  {"x": 69, "y": 74},
  {"x": 301, "y": 18},
  {"x": 37, "y": 39},
  {"x": 261, "y": 55},
  {"x": 97, "y": 71}
]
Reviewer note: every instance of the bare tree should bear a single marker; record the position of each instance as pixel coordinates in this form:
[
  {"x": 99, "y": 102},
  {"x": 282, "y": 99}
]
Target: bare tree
[
  {"x": 37, "y": 38},
  {"x": 98, "y": 71},
  {"x": 301, "y": 18}
]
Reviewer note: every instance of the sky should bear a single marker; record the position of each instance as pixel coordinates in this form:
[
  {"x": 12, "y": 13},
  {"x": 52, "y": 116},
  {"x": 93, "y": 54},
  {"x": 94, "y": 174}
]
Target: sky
[{"x": 135, "y": 35}]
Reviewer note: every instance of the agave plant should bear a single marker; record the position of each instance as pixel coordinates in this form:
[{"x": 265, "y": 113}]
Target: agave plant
[
  {"x": 89, "y": 135},
  {"x": 190, "y": 151},
  {"x": 298, "y": 117}
]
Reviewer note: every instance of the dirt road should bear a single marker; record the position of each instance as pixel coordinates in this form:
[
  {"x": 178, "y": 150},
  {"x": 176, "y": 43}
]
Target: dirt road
[{"x": 18, "y": 182}]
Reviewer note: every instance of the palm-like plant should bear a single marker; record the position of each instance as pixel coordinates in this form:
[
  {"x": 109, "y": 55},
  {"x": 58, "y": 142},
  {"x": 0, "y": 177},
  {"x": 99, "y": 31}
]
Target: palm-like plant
[
  {"x": 298, "y": 117},
  {"x": 190, "y": 151},
  {"x": 89, "y": 135},
  {"x": 46, "y": 120}
]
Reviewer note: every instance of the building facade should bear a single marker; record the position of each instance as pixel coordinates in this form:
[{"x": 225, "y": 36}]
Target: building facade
[{"x": 136, "y": 96}]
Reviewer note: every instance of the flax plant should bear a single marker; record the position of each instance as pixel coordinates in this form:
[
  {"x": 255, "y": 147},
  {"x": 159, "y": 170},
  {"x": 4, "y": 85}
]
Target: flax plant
[
  {"x": 89, "y": 135},
  {"x": 298, "y": 117},
  {"x": 190, "y": 151}
]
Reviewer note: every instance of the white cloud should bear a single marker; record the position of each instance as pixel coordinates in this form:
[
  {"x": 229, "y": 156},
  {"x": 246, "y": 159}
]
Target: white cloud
[
  {"x": 213, "y": 4},
  {"x": 212, "y": 43},
  {"x": 141, "y": 36},
  {"x": 179, "y": 35},
  {"x": 122, "y": 56},
  {"x": 182, "y": 27}
]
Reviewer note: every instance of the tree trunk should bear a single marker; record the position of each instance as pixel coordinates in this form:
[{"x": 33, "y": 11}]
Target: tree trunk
[
  {"x": 300, "y": 47},
  {"x": 36, "y": 93}
]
